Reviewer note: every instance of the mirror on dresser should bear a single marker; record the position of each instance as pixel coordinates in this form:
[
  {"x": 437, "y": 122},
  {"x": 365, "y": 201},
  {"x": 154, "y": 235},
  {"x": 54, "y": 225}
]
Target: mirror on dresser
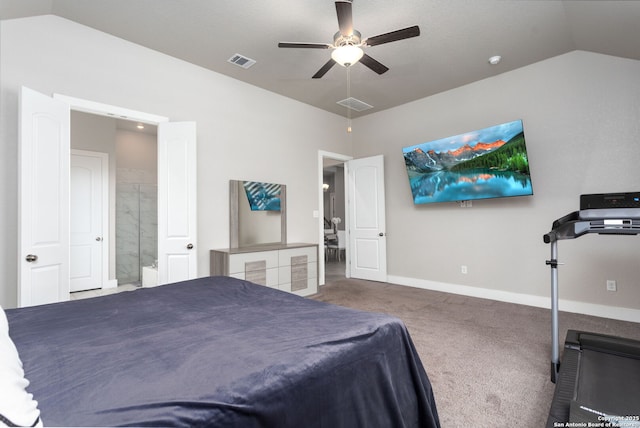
[
  {"x": 257, "y": 214},
  {"x": 258, "y": 250}
]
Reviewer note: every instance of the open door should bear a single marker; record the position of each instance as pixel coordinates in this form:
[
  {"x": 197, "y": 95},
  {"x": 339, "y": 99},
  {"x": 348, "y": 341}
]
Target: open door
[
  {"x": 367, "y": 234},
  {"x": 43, "y": 213},
  {"x": 43, "y": 217},
  {"x": 177, "y": 220}
]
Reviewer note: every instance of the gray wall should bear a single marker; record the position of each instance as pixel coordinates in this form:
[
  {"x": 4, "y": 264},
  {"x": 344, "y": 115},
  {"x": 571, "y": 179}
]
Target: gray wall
[{"x": 581, "y": 119}]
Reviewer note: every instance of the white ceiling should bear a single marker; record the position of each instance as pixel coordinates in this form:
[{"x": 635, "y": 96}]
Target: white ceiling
[{"x": 457, "y": 38}]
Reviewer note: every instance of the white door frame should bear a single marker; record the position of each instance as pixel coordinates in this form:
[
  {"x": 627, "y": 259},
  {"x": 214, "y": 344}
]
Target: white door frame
[
  {"x": 343, "y": 158},
  {"x": 137, "y": 116},
  {"x": 92, "y": 107},
  {"x": 115, "y": 112},
  {"x": 104, "y": 161}
]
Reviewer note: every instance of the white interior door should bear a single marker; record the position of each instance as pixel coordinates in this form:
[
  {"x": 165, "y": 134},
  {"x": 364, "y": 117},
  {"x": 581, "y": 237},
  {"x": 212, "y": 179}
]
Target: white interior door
[
  {"x": 177, "y": 220},
  {"x": 367, "y": 237},
  {"x": 44, "y": 241},
  {"x": 43, "y": 274},
  {"x": 88, "y": 176}
]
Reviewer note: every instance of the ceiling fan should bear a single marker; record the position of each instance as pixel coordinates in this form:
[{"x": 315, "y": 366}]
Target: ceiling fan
[{"x": 348, "y": 43}]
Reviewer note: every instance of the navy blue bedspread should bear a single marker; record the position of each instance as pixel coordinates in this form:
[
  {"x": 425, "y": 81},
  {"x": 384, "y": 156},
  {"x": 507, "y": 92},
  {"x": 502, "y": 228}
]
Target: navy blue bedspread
[{"x": 220, "y": 352}]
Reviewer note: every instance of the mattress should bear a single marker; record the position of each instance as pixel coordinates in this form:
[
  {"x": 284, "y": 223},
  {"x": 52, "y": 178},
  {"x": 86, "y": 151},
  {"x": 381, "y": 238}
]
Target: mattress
[{"x": 220, "y": 352}]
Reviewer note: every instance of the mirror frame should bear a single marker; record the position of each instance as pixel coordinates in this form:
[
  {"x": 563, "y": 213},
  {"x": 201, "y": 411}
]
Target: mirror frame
[{"x": 234, "y": 222}]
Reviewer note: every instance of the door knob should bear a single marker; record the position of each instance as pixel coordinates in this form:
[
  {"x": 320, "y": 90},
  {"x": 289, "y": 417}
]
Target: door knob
[
  {"x": 98, "y": 238},
  {"x": 31, "y": 258},
  {"x": 381, "y": 234},
  {"x": 189, "y": 246}
]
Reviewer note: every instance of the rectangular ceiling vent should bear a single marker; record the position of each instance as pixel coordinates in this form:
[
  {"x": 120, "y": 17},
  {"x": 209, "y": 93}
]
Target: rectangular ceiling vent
[
  {"x": 241, "y": 61},
  {"x": 355, "y": 104}
]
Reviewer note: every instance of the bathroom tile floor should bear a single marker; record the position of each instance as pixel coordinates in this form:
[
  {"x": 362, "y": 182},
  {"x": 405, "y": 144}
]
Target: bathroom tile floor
[{"x": 102, "y": 291}]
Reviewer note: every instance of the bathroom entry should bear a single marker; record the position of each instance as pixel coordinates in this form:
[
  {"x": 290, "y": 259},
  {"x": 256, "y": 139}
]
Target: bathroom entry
[
  {"x": 43, "y": 226},
  {"x": 129, "y": 167}
]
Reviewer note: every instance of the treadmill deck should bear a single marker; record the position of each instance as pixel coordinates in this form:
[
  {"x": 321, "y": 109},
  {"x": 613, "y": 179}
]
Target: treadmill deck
[{"x": 598, "y": 383}]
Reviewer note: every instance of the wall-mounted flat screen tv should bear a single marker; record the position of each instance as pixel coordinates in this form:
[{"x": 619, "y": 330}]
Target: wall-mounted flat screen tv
[
  {"x": 487, "y": 163},
  {"x": 262, "y": 196}
]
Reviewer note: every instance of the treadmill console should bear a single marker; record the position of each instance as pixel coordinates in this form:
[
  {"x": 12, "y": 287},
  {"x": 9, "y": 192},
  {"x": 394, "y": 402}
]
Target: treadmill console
[
  {"x": 610, "y": 200},
  {"x": 614, "y": 209}
]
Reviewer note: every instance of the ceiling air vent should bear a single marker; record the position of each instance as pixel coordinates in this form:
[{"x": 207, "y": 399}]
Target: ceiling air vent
[
  {"x": 241, "y": 61},
  {"x": 354, "y": 104}
]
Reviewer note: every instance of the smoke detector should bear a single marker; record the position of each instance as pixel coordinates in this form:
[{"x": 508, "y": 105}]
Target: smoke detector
[{"x": 495, "y": 60}]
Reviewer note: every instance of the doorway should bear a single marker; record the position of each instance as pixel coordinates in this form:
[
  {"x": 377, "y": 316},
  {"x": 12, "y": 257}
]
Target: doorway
[
  {"x": 334, "y": 210},
  {"x": 131, "y": 148},
  {"x": 44, "y": 238},
  {"x": 333, "y": 217},
  {"x": 365, "y": 248}
]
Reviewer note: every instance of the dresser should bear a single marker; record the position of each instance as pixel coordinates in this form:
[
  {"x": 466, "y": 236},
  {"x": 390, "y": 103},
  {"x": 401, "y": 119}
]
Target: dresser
[{"x": 287, "y": 267}]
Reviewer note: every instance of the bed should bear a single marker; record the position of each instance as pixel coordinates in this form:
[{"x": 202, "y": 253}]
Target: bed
[{"x": 219, "y": 352}]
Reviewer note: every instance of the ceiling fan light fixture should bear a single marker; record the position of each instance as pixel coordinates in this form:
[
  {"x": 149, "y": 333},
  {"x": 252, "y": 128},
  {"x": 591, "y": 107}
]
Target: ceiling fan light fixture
[{"x": 347, "y": 55}]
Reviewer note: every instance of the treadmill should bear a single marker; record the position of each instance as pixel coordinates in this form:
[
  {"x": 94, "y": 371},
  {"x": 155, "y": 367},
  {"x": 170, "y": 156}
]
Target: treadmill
[{"x": 598, "y": 383}]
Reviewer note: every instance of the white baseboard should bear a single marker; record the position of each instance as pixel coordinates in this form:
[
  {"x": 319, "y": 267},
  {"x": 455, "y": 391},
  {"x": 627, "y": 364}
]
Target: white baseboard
[
  {"x": 612, "y": 312},
  {"x": 112, "y": 283}
]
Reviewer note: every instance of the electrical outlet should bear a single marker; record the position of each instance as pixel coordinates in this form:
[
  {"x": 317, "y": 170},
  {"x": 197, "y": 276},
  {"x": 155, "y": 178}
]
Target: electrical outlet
[
  {"x": 463, "y": 269},
  {"x": 611, "y": 285}
]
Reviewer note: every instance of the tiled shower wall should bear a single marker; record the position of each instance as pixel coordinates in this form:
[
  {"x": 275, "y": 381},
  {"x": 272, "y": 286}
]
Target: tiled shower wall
[{"x": 136, "y": 223}]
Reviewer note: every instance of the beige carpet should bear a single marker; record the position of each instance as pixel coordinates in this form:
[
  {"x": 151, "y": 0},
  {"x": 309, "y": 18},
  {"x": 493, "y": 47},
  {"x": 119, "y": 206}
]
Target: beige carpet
[{"x": 488, "y": 361}]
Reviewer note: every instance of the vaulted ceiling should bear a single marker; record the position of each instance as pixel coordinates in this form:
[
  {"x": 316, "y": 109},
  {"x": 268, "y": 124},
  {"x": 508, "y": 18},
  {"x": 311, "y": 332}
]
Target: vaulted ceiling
[{"x": 457, "y": 39}]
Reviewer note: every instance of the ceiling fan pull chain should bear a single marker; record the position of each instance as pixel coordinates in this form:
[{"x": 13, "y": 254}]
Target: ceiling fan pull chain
[{"x": 348, "y": 97}]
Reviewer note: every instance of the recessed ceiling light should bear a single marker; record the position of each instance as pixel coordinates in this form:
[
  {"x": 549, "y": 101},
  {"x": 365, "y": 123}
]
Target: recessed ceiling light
[
  {"x": 494, "y": 60},
  {"x": 140, "y": 126}
]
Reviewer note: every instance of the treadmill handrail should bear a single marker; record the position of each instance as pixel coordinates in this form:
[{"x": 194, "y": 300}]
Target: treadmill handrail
[{"x": 579, "y": 223}]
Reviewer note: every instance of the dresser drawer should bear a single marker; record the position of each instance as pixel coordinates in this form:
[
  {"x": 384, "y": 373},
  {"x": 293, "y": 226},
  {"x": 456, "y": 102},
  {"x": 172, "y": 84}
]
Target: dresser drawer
[
  {"x": 305, "y": 287},
  {"x": 294, "y": 273},
  {"x": 292, "y": 254},
  {"x": 270, "y": 277},
  {"x": 251, "y": 261}
]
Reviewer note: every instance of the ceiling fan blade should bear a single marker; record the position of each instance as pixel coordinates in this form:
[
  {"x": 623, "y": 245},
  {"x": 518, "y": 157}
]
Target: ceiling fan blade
[
  {"x": 304, "y": 45},
  {"x": 345, "y": 19},
  {"x": 393, "y": 36},
  {"x": 324, "y": 69},
  {"x": 376, "y": 66}
]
